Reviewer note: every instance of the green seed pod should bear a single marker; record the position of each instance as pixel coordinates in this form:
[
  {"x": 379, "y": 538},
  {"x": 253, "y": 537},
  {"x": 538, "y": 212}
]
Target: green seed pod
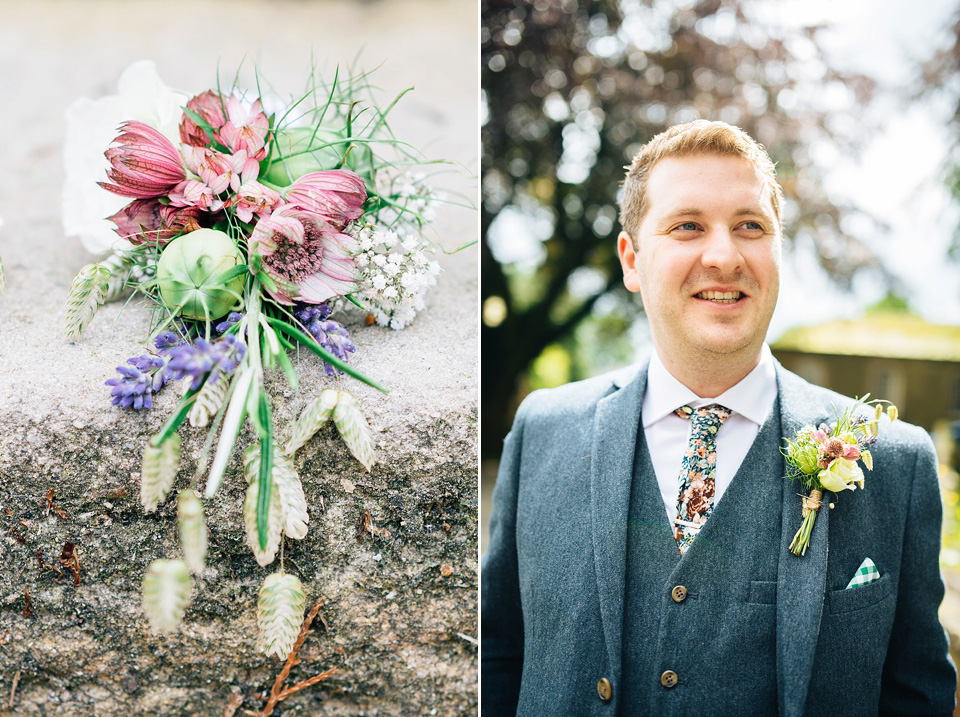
[
  {"x": 354, "y": 429},
  {"x": 189, "y": 271},
  {"x": 166, "y": 591},
  {"x": 158, "y": 471},
  {"x": 312, "y": 419},
  {"x": 300, "y": 150},
  {"x": 280, "y": 609},
  {"x": 193, "y": 532}
]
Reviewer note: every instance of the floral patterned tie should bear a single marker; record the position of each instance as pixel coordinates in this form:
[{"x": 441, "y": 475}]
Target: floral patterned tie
[{"x": 697, "y": 471}]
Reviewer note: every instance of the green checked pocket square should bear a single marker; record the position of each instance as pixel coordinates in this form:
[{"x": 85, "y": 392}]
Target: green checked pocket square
[{"x": 866, "y": 574}]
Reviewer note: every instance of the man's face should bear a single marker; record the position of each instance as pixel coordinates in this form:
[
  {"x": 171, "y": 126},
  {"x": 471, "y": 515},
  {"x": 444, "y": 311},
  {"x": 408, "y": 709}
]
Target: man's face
[{"x": 707, "y": 264}]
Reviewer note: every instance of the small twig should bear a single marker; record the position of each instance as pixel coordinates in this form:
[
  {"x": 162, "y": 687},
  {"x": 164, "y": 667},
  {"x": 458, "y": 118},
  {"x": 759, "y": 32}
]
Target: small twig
[
  {"x": 13, "y": 689},
  {"x": 306, "y": 683},
  {"x": 278, "y": 693},
  {"x": 468, "y": 638}
]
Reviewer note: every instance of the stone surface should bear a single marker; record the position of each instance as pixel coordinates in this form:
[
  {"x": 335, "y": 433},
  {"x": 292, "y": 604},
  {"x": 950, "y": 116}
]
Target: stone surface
[{"x": 399, "y": 591}]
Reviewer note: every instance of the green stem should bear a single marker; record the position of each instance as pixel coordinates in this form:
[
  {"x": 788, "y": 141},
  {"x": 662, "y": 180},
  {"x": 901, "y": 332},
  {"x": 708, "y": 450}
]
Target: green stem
[
  {"x": 802, "y": 539},
  {"x": 173, "y": 423},
  {"x": 266, "y": 472},
  {"x": 311, "y": 343}
]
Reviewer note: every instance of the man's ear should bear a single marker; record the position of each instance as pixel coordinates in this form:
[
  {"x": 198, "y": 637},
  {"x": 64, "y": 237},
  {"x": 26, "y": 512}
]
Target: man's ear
[{"x": 628, "y": 262}]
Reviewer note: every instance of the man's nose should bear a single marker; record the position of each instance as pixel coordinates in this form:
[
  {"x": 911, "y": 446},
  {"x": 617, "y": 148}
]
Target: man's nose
[{"x": 721, "y": 252}]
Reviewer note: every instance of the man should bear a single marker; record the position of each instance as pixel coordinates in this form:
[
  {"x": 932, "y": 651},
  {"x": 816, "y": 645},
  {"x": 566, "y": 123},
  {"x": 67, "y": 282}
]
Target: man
[{"x": 621, "y": 579}]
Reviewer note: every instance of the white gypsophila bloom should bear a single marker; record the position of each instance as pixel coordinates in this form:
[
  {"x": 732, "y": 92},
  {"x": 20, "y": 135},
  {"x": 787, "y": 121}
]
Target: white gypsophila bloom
[
  {"x": 413, "y": 200},
  {"x": 91, "y": 127},
  {"x": 386, "y": 237},
  {"x": 394, "y": 274}
]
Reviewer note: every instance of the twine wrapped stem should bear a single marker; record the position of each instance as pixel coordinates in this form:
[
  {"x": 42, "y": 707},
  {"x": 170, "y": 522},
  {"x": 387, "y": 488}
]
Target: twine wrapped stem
[
  {"x": 812, "y": 501},
  {"x": 811, "y": 506}
]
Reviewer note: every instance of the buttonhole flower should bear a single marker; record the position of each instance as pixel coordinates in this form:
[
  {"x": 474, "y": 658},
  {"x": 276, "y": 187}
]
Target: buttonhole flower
[
  {"x": 842, "y": 474},
  {"x": 825, "y": 459}
]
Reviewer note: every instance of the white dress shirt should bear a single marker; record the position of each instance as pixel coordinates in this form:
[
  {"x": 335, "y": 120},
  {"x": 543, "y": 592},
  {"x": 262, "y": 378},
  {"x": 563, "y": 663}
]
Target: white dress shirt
[{"x": 667, "y": 434}]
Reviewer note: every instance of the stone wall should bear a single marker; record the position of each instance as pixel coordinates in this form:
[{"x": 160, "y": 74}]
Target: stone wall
[{"x": 393, "y": 552}]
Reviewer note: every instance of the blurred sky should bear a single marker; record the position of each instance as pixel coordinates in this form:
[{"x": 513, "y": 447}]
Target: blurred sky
[{"x": 898, "y": 178}]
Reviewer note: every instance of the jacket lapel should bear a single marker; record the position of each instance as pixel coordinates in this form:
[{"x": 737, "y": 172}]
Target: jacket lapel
[
  {"x": 616, "y": 424},
  {"x": 801, "y": 581}
]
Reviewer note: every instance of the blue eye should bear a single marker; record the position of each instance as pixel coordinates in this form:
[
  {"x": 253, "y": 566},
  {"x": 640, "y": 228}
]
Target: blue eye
[
  {"x": 752, "y": 225},
  {"x": 688, "y": 227}
]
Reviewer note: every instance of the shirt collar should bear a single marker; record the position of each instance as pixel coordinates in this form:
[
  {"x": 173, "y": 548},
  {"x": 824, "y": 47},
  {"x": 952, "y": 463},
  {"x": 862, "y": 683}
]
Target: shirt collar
[{"x": 752, "y": 397}]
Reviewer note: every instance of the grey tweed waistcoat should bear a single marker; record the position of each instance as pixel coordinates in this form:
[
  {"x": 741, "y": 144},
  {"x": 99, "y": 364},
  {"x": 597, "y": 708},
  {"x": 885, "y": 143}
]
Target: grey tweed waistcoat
[{"x": 708, "y": 616}]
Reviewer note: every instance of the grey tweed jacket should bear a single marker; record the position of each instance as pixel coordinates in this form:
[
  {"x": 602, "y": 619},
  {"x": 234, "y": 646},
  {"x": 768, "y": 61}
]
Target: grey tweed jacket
[{"x": 552, "y": 587}]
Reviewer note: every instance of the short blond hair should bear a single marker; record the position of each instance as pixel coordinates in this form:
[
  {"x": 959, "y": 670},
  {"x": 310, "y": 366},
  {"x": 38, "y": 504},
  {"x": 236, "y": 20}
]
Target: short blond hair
[{"x": 686, "y": 140}]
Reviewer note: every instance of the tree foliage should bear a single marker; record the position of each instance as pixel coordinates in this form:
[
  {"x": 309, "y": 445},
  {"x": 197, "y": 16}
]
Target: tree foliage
[
  {"x": 941, "y": 74},
  {"x": 571, "y": 91}
]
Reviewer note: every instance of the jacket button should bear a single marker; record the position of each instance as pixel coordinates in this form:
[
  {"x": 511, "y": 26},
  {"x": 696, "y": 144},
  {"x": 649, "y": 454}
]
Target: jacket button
[
  {"x": 679, "y": 593},
  {"x": 669, "y": 679},
  {"x": 604, "y": 689}
]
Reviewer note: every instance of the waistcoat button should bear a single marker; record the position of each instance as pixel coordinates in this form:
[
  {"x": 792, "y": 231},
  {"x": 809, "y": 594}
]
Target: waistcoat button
[
  {"x": 679, "y": 593},
  {"x": 669, "y": 679},
  {"x": 604, "y": 689}
]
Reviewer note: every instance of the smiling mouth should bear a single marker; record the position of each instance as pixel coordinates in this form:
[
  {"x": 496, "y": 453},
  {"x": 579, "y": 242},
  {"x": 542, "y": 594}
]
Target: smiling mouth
[{"x": 721, "y": 297}]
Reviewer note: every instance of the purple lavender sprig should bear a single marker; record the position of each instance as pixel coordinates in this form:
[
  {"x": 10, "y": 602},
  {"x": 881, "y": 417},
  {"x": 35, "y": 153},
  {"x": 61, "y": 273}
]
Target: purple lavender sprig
[
  {"x": 331, "y": 335},
  {"x": 225, "y": 325},
  {"x": 206, "y": 358},
  {"x": 145, "y": 375}
]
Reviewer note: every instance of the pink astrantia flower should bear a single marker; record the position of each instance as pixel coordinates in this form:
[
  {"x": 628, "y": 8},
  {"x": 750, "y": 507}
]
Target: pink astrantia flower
[
  {"x": 147, "y": 221},
  {"x": 245, "y": 129},
  {"x": 309, "y": 259},
  {"x": 144, "y": 163},
  {"x": 210, "y": 106},
  {"x": 336, "y": 194},
  {"x": 221, "y": 171},
  {"x": 194, "y": 193},
  {"x": 254, "y": 198}
]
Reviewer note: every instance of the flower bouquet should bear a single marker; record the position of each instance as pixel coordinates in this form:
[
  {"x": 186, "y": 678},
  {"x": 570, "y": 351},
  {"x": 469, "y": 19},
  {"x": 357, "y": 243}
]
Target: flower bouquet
[
  {"x": 246, "y": 230},
  {"x": 825, "y": 458}
]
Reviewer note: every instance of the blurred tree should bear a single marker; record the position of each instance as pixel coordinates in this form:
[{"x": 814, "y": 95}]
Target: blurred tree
[
  {"x": 940, "y": 75},
  {"x": 571, "y": 90}
]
